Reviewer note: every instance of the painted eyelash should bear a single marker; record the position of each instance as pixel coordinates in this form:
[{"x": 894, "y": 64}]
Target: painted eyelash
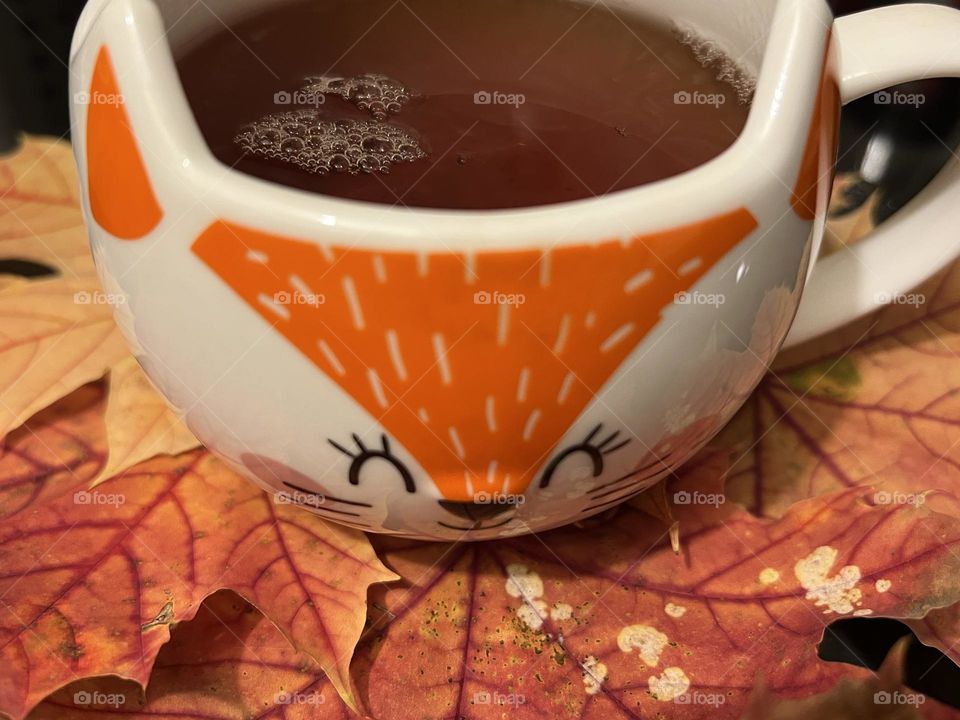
[
  {"x": 358, "y": 459},
  {"x": 362, "y": 448},
  {"x": 596, "y": 452}
]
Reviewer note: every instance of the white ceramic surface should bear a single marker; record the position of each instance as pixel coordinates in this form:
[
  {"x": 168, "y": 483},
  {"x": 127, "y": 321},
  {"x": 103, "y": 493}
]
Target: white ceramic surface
[{"x": 274, "y": 408}]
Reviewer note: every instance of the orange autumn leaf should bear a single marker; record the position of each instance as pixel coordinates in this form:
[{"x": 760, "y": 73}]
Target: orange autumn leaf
[
  {"x": 140, "y": 425},
  {"x": 228, "y": 662},
  {"x": 93, "y": 579},
  {"x": 40, "y": 216},
  {"x": 611, "y": 624},
  {"x": 55, "y": 336}
]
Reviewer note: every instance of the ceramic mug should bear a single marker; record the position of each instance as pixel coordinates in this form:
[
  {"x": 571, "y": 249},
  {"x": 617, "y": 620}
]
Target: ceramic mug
[{"x": 469, "y": 375}]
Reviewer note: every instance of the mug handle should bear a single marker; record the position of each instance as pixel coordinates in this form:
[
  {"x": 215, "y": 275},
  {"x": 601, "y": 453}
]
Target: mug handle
[{"x": 877, "y": 49}]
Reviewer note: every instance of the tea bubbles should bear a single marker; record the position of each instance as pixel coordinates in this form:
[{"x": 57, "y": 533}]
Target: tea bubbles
[{"x": 315, "y": 144}]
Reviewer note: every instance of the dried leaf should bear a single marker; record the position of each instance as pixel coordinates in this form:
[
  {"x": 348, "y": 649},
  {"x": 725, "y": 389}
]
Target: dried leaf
[
  {"x": 40, "y": 216},
  {"x": 228, "y": 662},
  {"x": 140, "y": 425},
  {"x": 93, "y": 580},
  {"x": 611, "y": 624},
  {"x": 55, "y": 337}
]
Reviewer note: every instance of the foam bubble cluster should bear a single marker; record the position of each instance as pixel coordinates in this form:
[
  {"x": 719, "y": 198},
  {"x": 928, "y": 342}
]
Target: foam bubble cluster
[
  {"x": 712, "y": 57},
  {"x": 376, "y": 94},
  {"x": 321, "y": 147}
]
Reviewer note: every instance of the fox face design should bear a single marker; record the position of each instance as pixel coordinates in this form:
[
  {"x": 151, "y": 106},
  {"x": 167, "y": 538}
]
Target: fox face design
[
  {"x": 478, "y": 377},
  {"x": 476, "y": 366}
]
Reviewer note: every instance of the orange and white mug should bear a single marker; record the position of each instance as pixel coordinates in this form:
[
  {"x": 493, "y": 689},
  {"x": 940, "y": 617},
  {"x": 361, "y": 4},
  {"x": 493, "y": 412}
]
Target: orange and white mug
[{"x": 469, "y": 375}]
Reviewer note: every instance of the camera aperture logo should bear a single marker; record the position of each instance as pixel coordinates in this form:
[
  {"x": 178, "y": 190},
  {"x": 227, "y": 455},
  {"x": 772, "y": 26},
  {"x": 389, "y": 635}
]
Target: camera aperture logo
[
  {"x": 685, "y": 497},
  {"x": 98, "y": 98},
  {"x": 485, "y": 697},
  {"x": 288, "y": 299},
  {"x": 299, "y": 698},
  {"x": 95, "y": 698},
  {"x": 498, "y": 498},
  {"x": 895, "y": 97},
  {"x": 494, "y": 97},
  {"x": 484, "y": 297},
  {"x": 698, "y": 298},
  {"x": 99, "y": 499},
  {"x": 99, "y": 298},
  {"x": 685, "y": 97},
  {"x": 896, "y": 697},
  {"x": 884, "y": 497},
  {"x": 295, "y": 497},
  {"x": 300, "y": 97}
]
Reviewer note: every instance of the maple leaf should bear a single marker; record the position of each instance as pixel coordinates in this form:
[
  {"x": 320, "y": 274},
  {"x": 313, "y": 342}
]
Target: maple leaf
[
  {"x": 228, "y": 662},
  {"x": 610, "y": 623},
  {"x": 140, "y": 424},
  {"x": 93, "y": 579},
  {"x": 41, "y": 220}
]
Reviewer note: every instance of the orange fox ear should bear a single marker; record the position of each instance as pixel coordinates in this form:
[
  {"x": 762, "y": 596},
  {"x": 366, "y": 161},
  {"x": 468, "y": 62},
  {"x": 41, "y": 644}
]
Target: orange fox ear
[{"x": 121, "y": 197}]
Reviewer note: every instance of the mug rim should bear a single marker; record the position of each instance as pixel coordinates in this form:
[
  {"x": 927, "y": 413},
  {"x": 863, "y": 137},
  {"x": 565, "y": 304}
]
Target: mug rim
[{"x": 135, "y": 34}]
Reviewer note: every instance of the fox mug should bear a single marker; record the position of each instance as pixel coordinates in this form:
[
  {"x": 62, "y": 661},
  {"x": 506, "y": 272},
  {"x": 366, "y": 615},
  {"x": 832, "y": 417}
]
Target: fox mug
[{"x": 469, "y": 375}]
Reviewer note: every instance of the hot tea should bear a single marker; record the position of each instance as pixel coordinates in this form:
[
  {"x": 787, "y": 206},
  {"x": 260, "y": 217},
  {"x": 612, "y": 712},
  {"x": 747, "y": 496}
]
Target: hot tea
[{"x": 477, "y": 104}]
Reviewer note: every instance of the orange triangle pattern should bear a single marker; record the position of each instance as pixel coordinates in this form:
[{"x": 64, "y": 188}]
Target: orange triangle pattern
[
  {"x": 478, "y": 364},
  {"x": 121, "y": 197}
]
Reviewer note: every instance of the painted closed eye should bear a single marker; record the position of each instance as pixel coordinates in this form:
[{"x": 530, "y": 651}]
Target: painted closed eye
[
  {"x": 364, "y": 455},
  {"x": 593, "y": 452}
]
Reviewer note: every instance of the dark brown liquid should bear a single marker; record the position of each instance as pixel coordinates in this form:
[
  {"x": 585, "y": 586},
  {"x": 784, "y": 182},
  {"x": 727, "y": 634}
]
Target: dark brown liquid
[{"x": 586, "y": 101}]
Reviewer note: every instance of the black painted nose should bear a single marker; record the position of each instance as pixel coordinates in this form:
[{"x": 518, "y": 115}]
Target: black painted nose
[{"x": 477, "y": 512}]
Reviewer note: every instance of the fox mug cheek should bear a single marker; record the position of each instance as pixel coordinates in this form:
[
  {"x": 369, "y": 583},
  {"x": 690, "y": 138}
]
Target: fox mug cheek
[{"x": 473, "y": 375}]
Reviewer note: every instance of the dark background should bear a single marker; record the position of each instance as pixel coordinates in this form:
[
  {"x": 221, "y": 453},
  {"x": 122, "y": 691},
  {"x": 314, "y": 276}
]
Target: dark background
[{"x": 34, "y": 49}]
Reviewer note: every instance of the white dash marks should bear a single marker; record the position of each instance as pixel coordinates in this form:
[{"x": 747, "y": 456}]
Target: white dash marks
[
  {"x": 638, "y": 281},
  {"x": 393, "y": 345},
  {"x": 545, "y": 269},
  {"x": 377, "y": 387},
  {"x": 563, "y": 334},
  {"x": 423, "y": 264},
  {"x": 491, "y": 413},
  {"x": 353, "y": 302},
  {"x": 523, "y": 384},
  {"x": 379, "y": 269},
  {"x": 618, "y": 337},
  {"x": 424, "y": 416},
  {"x": 440, "y": 351},
  {"x": 256, "y": 256},
  {"x": 690, "y": 266},
  {"x": 469, "y": 268},
  {"x": 531, "y": 425},
  {"x": 565, "y": 388},
  {"x": 503, "y": 324},
  {"x": 332, "y": 358},
  {"x": 457, "y": 443}
]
